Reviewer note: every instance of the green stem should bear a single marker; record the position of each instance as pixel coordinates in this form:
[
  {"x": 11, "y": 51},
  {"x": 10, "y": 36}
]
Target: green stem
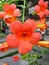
[
  {"x": 9, "y": 55},
  {"x": 23, "y": 18}
]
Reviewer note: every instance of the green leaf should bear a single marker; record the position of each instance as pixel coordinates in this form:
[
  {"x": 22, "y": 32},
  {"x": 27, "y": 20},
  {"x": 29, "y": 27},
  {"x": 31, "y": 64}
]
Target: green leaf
[
  {"x": 23, "y": 57},
  {"x": 46, "y": 63},
  {"x": 35, "y": 50},
  {"x": 33, "y": 13},
  {"x": 39, "y": 56},
  {"x": 44, "y": 50}
]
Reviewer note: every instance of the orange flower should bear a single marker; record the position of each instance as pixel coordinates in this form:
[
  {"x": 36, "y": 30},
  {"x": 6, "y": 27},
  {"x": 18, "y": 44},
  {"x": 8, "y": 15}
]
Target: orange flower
[
  {"x": 43, "y": 43},
  {"x": 41, "y": 24},
  {"x": 10, "y": 13},
  {"x": 4, "y": 46},
  {"x": 5, "y": 64},
  {"x": 24, "y": 36},
  {"x": 41, "y": 8},
  {"x": 15, "y": 58}
]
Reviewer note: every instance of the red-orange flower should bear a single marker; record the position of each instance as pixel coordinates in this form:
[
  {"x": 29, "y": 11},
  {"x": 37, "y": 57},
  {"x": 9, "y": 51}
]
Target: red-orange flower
[
  {"x": 10, "y": 13},
  {"x": 15, "y": 58},
  {"x": 41, "y": 8},
  {"x": 23, "y": 36}
]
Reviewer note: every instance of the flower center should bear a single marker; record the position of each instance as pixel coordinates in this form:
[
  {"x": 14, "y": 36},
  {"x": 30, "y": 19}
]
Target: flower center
[
  {"x": 42, "y": 8},
  {"x": 9, "y": 19},
  {"x": 24, "y": 34}
]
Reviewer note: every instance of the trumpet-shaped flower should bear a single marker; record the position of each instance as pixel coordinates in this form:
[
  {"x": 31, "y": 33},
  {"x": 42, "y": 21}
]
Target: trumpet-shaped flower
[
  {"x": 23, "y": 36},
  {"x": 41, "y": 24},
  {"x": 10, "y": 13},
  {"x": 4, "y": 47},
  {"x": 41, "y": 8}
]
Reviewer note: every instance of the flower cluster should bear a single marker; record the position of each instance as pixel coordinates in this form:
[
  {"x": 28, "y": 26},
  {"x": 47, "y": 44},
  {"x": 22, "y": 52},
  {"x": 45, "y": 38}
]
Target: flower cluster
[
  {"x": 10, "y": 13},
  {"x": 41, "y": 8},
  {"x": 23, "y": 36}
]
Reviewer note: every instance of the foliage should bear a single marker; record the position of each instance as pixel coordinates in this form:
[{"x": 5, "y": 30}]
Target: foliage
[
  {"x": 2, "y": 35},
  {"x": 0, "y": 30}
]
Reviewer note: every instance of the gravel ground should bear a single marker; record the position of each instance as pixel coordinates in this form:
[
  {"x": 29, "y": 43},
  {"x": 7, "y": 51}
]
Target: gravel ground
[
  {"x": 21, "y": 62},
  {"x": 2, "y": 40}
]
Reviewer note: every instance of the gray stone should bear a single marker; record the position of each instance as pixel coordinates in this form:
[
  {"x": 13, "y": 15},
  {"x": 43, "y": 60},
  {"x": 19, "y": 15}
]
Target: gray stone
[{"x": 31, "y": 10}]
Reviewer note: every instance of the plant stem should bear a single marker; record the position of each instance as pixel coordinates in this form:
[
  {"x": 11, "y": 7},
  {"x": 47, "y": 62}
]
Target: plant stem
[
  {"x": 9, "y": 55},
  {"x": 23, "y": 16}
]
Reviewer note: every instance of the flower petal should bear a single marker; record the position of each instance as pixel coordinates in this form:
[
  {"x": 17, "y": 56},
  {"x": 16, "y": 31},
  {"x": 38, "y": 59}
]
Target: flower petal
[
  {"x": 1, "y": 47},
  {"x": 9, "y": 19},
  {"x": 41, "y": 2},
  {"x": 24, "y": 47},
  {"x": 35, "y": 38},
  {"x": 46, "y": 12},
  {"x": 44, "y": 43},
  {"x": 41, "y": 14},
  {"x": 16, "y": 27},
  {"x": 16, "y": 12},
  {"x": 13, "y": 7},
  {"x": 37, "y": 8},
  {"x": 2, "y": 14},
  {"x": 29, "y": 26},
  {"x": 6, "y": 7},
  {"x": 46, "y": 4},
  {"x": 12, "y": 41}
]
